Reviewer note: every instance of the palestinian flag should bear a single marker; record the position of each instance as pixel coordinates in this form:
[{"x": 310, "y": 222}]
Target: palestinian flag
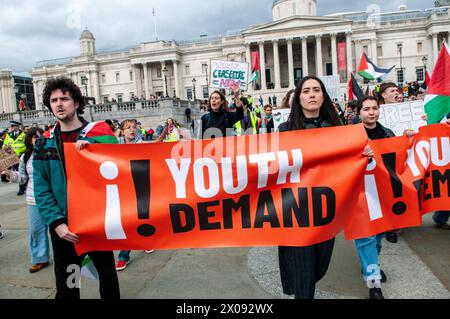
[
  {"x": 354, "y": 91},
  {"x": 255, "y": 67},
  {"x": 100, "y": 132},
  {"x": 424, "y": 87},
  {"x": 437, "y": 101},
  {"x": 370, "y": 71}
]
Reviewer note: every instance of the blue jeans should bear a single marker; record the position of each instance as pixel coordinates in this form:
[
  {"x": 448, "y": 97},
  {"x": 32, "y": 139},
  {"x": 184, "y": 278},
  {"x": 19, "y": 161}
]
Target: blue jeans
[
  {"x": 38, "y": 237},
  {"x": 441, "y": 217},
  {"x": 369, "y": 250},
  {"x": 124, "y": 255}
]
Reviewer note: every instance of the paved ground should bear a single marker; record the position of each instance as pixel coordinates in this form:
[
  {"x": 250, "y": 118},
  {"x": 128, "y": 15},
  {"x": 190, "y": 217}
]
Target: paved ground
[{"x": 417, "y": 267}]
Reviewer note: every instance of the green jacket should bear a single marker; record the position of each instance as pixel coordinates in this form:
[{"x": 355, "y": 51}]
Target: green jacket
[{"x": 50, "y": 183}]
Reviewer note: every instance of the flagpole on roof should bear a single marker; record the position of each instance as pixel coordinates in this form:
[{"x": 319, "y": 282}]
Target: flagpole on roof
[{"x": 154, "y": 22}]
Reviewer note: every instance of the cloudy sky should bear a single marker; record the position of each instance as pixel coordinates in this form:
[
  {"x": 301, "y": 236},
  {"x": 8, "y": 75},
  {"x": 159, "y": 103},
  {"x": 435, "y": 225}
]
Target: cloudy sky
[{"x": 36, "y": 30}]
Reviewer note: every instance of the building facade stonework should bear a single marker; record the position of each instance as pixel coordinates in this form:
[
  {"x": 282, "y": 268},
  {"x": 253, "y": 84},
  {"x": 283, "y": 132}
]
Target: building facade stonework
[{"x": 296, "y": 43}]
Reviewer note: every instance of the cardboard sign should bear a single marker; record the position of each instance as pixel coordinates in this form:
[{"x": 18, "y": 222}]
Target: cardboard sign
[
  {"x": 226, "y": 73},
  {"x": 403, "y": 116},
  {"x": 8, "y": 158},
  {"x": 332, "y": 85},
  {"x": 280, "y": 116}
]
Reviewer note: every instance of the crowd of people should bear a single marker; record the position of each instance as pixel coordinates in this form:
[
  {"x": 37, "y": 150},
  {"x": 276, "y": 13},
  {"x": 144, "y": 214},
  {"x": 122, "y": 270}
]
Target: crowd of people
[{"x": 42, "y": 169}]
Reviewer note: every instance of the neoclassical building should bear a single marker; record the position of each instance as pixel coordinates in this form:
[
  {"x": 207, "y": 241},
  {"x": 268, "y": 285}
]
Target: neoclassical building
[{"x": 296, "y": 43}]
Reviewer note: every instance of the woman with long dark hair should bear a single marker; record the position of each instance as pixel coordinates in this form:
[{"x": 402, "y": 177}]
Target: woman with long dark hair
[{"x": 302, "y": 267}]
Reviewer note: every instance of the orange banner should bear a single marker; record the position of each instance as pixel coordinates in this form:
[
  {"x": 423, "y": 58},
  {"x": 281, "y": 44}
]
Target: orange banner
[
  {"x": 290, "y": 189},
  {"x": 407, "y": 179},
  {"x": 293, "y": 188}
]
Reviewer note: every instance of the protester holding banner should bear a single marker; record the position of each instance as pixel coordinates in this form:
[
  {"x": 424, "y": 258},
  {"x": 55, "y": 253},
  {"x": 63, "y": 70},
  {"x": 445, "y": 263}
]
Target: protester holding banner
[
  {"x": 64, "y": 99},
  {"x": 369, "y": 248},
  {"x": 38, "y": 231},
  {"x": 129, "y": 136},
  {"x": 302, "y": 267},
  {"x": 390, "y": 94},
  {"x": 219, "y": 118}
]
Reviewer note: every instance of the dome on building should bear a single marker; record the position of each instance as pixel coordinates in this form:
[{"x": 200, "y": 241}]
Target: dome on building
[
  {"x": 402, "y": 7},
  {"x": 87, "y": 35},
  {"x": 282, "y": 9}
]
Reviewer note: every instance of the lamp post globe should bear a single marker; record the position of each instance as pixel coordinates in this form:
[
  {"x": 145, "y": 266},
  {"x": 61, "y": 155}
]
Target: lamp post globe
[{"x": 165, "y": 72}]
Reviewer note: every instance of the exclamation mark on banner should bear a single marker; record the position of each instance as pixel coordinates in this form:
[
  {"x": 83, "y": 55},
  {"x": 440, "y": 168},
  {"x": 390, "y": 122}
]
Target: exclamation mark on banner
[
  {"x": 390, "y": 161},
  {"x": 141, "y": 178},
  {"x": 113, "y": 221}
]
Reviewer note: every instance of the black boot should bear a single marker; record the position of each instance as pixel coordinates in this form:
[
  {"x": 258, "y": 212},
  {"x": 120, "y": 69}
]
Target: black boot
[{"x": 375, "y": 293}]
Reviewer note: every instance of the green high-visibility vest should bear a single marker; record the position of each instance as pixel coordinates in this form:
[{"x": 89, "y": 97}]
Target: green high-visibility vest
[
  {"x": 253, "y": 120},
  {"x": 18, "y": 144}
]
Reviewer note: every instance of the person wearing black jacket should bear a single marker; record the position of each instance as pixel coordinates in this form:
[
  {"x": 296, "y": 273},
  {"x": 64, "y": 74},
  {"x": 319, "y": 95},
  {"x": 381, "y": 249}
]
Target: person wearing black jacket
[
  {"x": 216, "y": 123},
  {"x": 302, "y": 267}
]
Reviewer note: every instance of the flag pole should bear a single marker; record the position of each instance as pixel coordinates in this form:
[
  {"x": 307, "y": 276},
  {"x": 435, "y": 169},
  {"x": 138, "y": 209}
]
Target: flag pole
[{"x": 154, "y": 22}]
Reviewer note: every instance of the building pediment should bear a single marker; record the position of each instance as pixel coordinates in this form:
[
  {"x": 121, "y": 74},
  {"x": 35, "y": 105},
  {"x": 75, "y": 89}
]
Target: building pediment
[{"x": 294, "y": 22}]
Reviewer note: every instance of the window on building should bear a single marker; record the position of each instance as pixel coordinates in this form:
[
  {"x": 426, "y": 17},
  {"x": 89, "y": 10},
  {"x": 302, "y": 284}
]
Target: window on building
[
  {"x": 131, "y": 75},
  {"x": 204, "y": 68},
  {"x": 189, "y": 94},
  {"x": 119, "y": 97},
  {"x": 103, "y": 78},
  {"x": 379, "y": 50},
  {"x": 117, "y": 77},
  {"x": 187, "y": 69},
  {"x": 158, "y": 72},
  {"x": 205, "y": 92},
  {"x": 419, "y": 47},
  {"x": 366, "y": 49},
  {"x": 105, "y": 99},
  {"x": 420, "y": 74},
  {"x": 400, "y": 75}
]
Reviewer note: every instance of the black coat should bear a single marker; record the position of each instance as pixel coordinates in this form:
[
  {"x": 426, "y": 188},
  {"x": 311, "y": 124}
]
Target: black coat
[{"x": 221, "y": 120}]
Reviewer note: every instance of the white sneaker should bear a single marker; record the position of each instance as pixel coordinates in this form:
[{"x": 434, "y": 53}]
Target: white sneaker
[{"x": 149, "y": 251}]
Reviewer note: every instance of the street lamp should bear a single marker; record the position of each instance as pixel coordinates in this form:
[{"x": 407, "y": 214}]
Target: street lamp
[
  {"x": 424, "y": 60},
  {"x": 400, "y": 48},
  {"x": 84, "y": 81},
  {"x": 194, "y": 82},
  {"x": 16, "y": 92},
  {"x": 165, "y": 72}
]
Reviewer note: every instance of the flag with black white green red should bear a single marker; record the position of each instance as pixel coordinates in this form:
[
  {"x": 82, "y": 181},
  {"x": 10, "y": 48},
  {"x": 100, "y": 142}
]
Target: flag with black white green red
[
  {"x": 100, "y": 132},
  {"x": 368, "y": 70},
  {"x": 437, "y": 100},
  {"x": 354, "y": 90},
  {"x": 255, "y": 67}
]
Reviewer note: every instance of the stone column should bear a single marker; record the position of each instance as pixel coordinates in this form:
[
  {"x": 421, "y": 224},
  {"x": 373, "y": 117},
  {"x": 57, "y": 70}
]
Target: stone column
[
  {"x": 177, "y": 80},
  {"x": 144, "y": 66},
  {"x": 276, "y": 60},
  {"x": 373, "y": 43},
  {"x": 163, "y": 65},
  {"x": 334, "y": 54},
  {"x": 262, "y": 66},
  {"x": 319, "y": 63},
  {"x": 290, "y": 63},
  {"x": 96, "y": 83},
  {"x": 435, "y": 48},
  {"x": 349, "y": 53},
  {"x": 36, "y": 95},
  {"x": 136, "y": 79},
  {"x": 248, "y": 55},
  {"x": 305, "y": 66}
]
